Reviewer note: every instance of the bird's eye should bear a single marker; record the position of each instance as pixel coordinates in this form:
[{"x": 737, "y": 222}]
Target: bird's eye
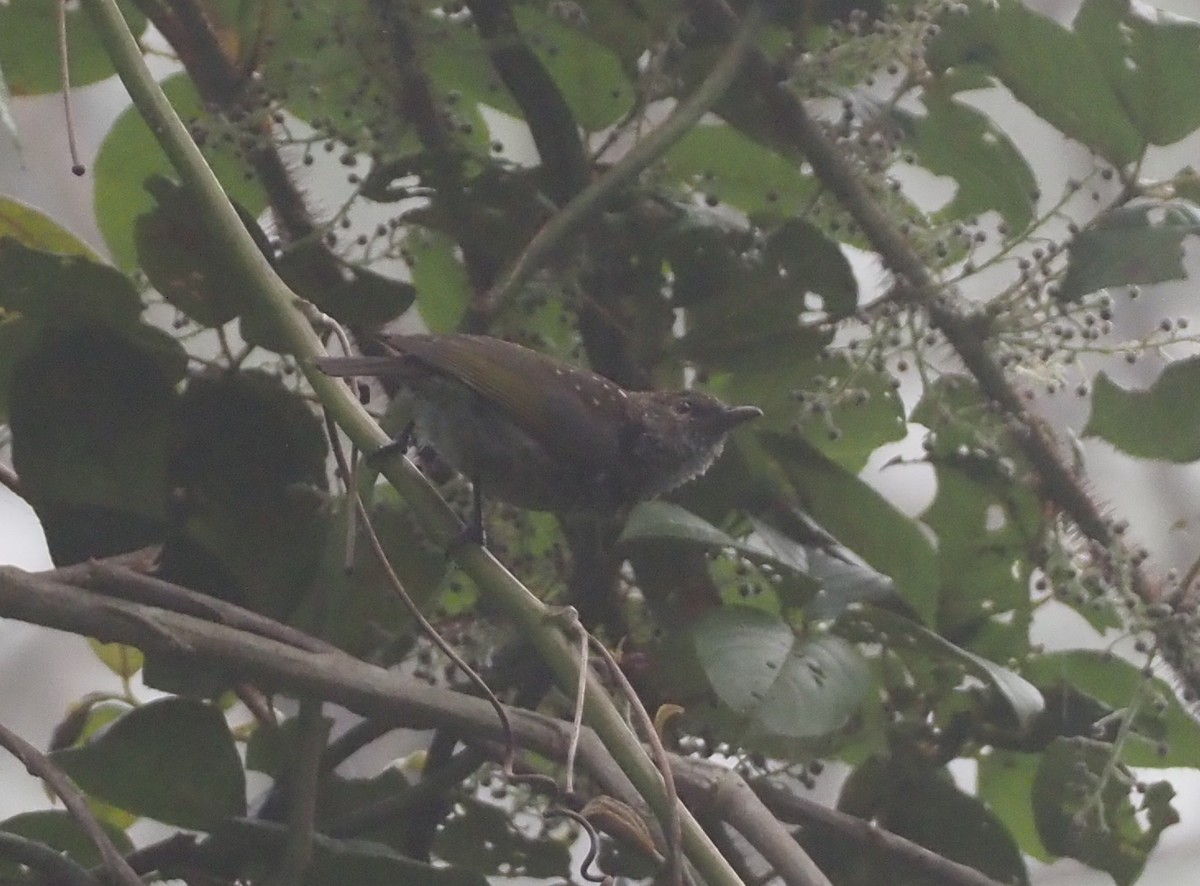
[{"x": 683, "y": 407}]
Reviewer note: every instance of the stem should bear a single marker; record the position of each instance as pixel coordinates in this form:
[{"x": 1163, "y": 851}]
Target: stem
[{"x": 246, "y": 262}]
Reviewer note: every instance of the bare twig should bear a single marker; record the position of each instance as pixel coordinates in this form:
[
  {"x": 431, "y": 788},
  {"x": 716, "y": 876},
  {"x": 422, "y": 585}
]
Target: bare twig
[{"x": 39, "y": 765}]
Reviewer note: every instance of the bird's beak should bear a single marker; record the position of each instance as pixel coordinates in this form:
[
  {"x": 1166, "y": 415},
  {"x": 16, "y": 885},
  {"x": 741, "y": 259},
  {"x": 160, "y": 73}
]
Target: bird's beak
[{"x": 736, "y": 415}]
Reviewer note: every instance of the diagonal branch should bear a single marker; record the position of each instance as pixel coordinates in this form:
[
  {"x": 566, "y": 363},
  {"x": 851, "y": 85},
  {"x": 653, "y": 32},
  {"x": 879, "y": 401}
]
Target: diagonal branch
[{"x": 250, "y": 268}]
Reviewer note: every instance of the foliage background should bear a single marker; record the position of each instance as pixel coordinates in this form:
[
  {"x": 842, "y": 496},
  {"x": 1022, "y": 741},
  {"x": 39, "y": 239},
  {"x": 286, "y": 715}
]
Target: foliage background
[{"x": 1100, "y": 474}]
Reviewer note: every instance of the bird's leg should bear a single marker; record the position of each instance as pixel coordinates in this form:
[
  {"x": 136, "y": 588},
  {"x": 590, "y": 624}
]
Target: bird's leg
[
  {"x": 391, "y": 447},
  {"x": 474, "y": 530}
]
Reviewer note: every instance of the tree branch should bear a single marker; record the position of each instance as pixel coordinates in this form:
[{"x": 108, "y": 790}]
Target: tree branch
[
  {"x": 790, "y": 806},
  {"x": 39, "y": 765},
  {"x": 250, "y": 268},
  {"x": 724, "y": 794},
  {"x": 575, "y": 214}
]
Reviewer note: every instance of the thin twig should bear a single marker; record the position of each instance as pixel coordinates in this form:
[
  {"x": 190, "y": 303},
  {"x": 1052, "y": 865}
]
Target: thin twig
[
  {"x": 39, "y": 765},
  {"x": 674, "y": 829},
  {"x": 582, "y": 207},
  {"x": 577, "y": 717},
  {"x": 431, "y": 632},
  {"x": 64, "y": 60}
]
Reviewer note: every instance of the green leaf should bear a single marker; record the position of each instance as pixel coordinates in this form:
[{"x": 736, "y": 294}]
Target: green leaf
[
  {"x": 1098, "y": 825},
  {"x": 359, "y": 298},
  {"x": 1021, "y": 699},
  {"x": 130, "y": 155},
  {"x": 44, "y": 294},
  {"x": 1160, "y": 422},
  {"x": 1029, "y": 54},
  {"x": 862, "y": 519},
  {"x": 986, "y": 522},
  {"x": 484, "y": 838},
  {"x": 122, "y": 660},
  {"x": 1005, "y": 785},
  {"x": 1169, "y": 738},
  {"x": 29, "y": 35},
  {"x": 182, "y": 261},
  {"x": 658, "y": 519},
  {"x": 32, "y": 229},
  {"x": 248, "y": 458},
  {"x": 590, "y": 77},
  {"x": 443, "y": 288},
  {"x": 781, "y": 686},
  {"x": 356, "y": 607},
  {"x": 90, "y": 412},
  {"x": 173, "y": 760},
  {"x": 927, "y": 808},
  {"x": 58, "y": 829},
  {"x": 722, "y": 163},
  {"x": 1131, "y": 244},
  {"x": 1147, "y": 56},
  {"x": 955, "y": 140}
]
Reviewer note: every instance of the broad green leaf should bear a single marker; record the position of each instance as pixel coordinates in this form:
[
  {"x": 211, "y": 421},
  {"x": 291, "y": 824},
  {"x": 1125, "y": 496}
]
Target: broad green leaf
[
  {"x": 181, "y": 260},
  {"x": 589, "y": 76},
  {"x": 443, "y": 288},
  {"x": 1021, "y": 698},
  {"x": 354, "y": 606},
  {"x": 248, "y": 456},
  {"x": 32, "y": 229},
  {"x": 658, "y": 519},
  {"x": 130, "y": 155},
  {"x": 926, "y": 807},
  {"x": 725, "y": 165},
  {"x": 484, "y": 838},
  {"x": 781, "y": 685},
  {"x": 45, "y": 294},
  {"x": 58, "y": 829},
  {"x": 986, "y": 523},
  {"x": 1129, "y": 245},
  {"x": 1005, "y": 785},
  {"x": 1098, "y": 826},
  {"x": 90, "y": 412},
  {"x": 29, "y": 37},
  {"x": 956, "y": 140},
  {"x": 1169, "y": 738},
  {"x": 1147, "y": 57},
  {"x": 172, "y": 760},
  {"x": 1160, "y": 422},
  {"x": 1046, "y": 66},
  {"x": 862, "y": 519}
]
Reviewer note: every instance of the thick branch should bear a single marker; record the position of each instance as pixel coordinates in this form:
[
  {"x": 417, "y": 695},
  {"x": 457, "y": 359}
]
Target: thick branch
[
  {"x": 724, "y": 794},
  {"x": 551, "y": 123}
]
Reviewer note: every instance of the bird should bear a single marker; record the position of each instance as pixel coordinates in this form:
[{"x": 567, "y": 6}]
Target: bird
[{"x": 543, "y": 434}]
